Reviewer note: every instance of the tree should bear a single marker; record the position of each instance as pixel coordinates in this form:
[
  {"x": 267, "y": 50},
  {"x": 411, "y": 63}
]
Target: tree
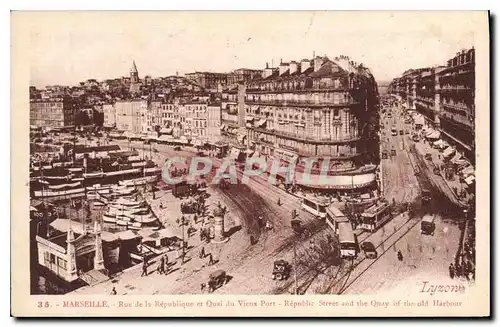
[{"x": 320, "y": 256}]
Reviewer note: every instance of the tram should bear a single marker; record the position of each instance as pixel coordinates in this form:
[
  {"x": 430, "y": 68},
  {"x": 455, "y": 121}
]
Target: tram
[{"x": 375, "y": 216}]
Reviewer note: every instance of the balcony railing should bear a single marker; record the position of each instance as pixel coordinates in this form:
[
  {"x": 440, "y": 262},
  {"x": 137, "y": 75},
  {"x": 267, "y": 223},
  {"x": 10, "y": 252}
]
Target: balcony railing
[
  {"x": 299, "y": 137},
  {"x": 426, "y": 100},
  {"x": 301, "y": 103},
  {"x": 299, "y": 90},
  {"x": 456, "y": 88},
  {"x": 455, "y": 106},
  {"x": 459, "y": 120}
]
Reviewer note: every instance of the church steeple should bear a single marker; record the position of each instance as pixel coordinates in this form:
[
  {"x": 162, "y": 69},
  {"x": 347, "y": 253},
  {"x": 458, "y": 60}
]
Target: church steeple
[
  {"x": 134, "y": 68},
  {"x": 134, "y": 79}
]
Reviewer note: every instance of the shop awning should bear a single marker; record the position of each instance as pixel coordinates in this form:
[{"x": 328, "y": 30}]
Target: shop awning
[
  {"x": 166, "y": 130},
  {"x": 235, "y": 153},
  {"x": 448, "y": 152},
  {"x": 456, "y": 158},
  {"x": 468, "y": 171},
  {"x": 433, "y": 135},
  {"x": 223, "y": 127},
  {"x": 261, "y": 122},
  {"x": 241, "y": 138},
  {"x": 439, "y": 143},
  {"x": 470, "y": 179},
  {"x": 249, "y": 118}
]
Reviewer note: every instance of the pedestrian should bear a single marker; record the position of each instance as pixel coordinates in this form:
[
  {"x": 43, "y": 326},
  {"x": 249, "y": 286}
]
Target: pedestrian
[
  {"x": 202, "y": 252},
  {"x": 210, "y": 259},
  {"x": 195, "y": 218},
  {"x": 400, "y": 255},
  {"x": 113, "y": 291},
  {"x": 144, "y": 269},
  {"x": 451, "y": 269},
  {"x": 202, "y": 286},
  {"x": 279, "y": 201},
  {"x": 161, "y": 266}
]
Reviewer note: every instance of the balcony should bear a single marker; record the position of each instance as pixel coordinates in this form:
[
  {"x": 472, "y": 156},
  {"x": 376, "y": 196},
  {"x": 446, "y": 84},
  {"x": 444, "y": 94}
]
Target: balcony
[
  {"x": 301, "y": 103},
  {"x": 429, "y": 101},
  {"x": 454, "y": 106},
  {"x": 304, "y": 138},
  {"x": 299, "y": 90},
  {"x": 458, "y": 120},
  {"x": 455, "y": 88}
]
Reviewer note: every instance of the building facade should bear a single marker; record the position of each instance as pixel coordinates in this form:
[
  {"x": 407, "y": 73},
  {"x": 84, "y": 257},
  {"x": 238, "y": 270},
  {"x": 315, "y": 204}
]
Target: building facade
[
  {"x": 109, "y": 113},
  {"x": 445, "y": 96},
  {"x": 52, "y": 112},
  {"x": 319, "y": 109},
  {"x": 131, "y": 115}
]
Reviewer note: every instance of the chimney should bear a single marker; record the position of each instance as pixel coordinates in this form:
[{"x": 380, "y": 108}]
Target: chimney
[
  {"x": 304, "y": 65},
  {"x": 283, "y": 68},
  {"x": 318, "y": 61},
  {"x": 293, "y": 67}
]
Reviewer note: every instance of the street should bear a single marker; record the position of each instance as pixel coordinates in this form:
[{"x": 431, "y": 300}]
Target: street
[{"x": 250, "y": 266}]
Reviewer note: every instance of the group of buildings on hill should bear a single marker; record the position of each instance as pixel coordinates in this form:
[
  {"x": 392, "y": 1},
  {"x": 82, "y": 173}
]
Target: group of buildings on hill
[
  {"x": 319, "y": 108},
  {"x": 445, "y": 96}
]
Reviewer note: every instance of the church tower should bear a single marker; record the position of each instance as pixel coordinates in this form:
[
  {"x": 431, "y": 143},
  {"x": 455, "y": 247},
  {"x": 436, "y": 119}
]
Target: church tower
[{"x": 134, "y": 79}]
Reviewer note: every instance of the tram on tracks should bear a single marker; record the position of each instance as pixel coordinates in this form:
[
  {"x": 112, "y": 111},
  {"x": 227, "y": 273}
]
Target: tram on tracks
[
  {"x": 342, "y": 227},
  {"x": 376, "y": 216}
]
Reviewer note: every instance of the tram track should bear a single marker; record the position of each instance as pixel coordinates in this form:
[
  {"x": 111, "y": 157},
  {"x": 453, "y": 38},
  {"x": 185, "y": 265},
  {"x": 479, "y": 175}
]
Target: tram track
[{"x": 335, "y": 282}]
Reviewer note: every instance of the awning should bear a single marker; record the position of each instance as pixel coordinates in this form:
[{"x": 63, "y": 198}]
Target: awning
[
  {"x": 439, "y": 143},
  {"x": 468, "y": 171},
  {"x": 223, "y": 127},
  {"x": 166, "y": 130},
  {"x": 261, "y": 122},
  {"x": 429, "y": 132},
  {"x": 470, "y": 179},
  {"x": 248, "y": 125},
  {"x": 433, "y": 135},
  {"x": 235, "y": 153},
  {"x": 448, "y": 152},
  {"x": 165, "y": 138},
  {"x": 249, "y": 118},
  {"x": 249, "y": 152},
  {"x": 241, "y": 138},
  {"x": 456, "y": 158}
]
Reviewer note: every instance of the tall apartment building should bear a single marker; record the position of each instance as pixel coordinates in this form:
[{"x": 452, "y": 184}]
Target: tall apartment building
[
  {"x": 131, "y": 115},
  {"x": 109, "y": 115},
  {"x": 322, "y": 109},
  {"x": 445, "y": 96},
  {"x": 52, "y": 112}
]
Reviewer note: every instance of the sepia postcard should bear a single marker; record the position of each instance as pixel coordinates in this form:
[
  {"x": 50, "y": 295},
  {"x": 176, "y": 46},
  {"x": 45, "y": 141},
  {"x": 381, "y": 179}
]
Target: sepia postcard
[{"x": 250, "y": 164}]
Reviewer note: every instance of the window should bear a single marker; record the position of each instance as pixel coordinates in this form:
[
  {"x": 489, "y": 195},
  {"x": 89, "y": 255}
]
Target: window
[
  {"x": 336, "y": 113},
  {"x": 61, "y": 263}
]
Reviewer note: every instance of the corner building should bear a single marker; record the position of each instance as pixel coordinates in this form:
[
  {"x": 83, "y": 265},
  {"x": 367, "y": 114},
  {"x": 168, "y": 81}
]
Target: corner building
[{"x": 320, "y": 109}]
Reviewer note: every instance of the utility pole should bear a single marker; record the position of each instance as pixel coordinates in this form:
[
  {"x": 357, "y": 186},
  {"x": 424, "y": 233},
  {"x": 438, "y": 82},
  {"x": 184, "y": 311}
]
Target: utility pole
[
  {"x": 294, "y": 215},
  {"x": 183, "y": 242},
  {"x": 295, "y": 268}
]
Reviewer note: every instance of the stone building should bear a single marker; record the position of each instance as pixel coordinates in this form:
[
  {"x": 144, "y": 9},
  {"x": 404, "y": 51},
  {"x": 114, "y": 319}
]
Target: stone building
[
  {"x": 445, "y": 96},
  {"x": 52, "y": 112},
  {"x": 109, "y": 115},
  {"x": 322, "y": 109}
]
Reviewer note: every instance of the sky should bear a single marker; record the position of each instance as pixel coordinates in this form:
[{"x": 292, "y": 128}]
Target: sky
[{"x": 66, "y": 48}]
